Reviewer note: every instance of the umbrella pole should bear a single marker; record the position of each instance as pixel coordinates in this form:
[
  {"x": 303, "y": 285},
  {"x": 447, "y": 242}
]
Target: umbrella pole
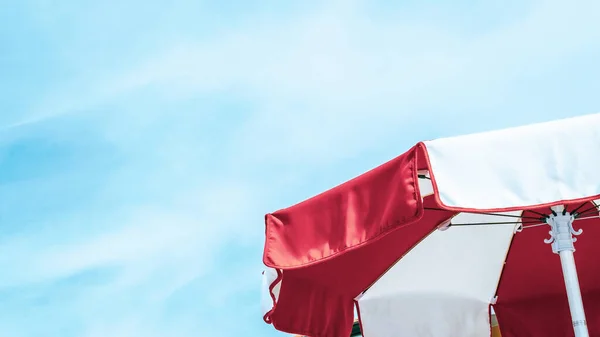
[
  {"x": 562, "y": 240},
  {"x": 574, "y": 293}
]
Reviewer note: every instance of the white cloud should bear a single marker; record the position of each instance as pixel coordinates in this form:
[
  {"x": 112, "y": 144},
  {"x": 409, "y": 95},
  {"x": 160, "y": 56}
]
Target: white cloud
[{"x": 153, "y": 252}]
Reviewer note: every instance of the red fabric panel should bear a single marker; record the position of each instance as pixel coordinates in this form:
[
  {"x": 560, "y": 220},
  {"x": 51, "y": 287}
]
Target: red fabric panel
[
  {"x": 532, "y": 299},
  {"x": 345, "y": 217},
  {"x": 317, "y": 300},
  {"x": 309, "y": 309},
  {"x": 546, "y": 316}
]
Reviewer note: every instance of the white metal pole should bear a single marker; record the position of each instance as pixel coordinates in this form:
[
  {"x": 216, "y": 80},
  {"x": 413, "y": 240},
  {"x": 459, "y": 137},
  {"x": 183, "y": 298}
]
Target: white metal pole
[
  {"x": 573, "y": 293},
  {"x": 562, "y": 240}
]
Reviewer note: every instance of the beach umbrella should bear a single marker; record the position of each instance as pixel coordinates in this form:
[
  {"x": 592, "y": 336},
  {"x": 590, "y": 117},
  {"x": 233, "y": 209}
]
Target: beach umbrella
[{"x": 432, "y": 242}]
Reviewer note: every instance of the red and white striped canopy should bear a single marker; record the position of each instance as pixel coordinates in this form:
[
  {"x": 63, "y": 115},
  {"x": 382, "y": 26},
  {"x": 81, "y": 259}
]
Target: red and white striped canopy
[{"x": 427, "y": 243}]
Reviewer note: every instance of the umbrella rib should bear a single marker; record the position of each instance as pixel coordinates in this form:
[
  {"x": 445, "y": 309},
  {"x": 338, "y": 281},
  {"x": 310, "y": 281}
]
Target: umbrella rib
[
  {"x": 578, "y": 215},
  {"x": 594, "y": 208},
  {"x": 525, "y": 224},
  {"x": 490, "y": 223},
  {"x": 491, "y": 214},
  {"x": 578, "y": 208},
  {"x": 538, "y": 213}
]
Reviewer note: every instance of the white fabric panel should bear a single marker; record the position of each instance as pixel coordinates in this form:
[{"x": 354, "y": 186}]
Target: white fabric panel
[
  {"x": 443, "y": 287},
  {"x": 522, "y": 166},
  {"x": 266, "y": 302},
  {"x": 425, "y": 186}
]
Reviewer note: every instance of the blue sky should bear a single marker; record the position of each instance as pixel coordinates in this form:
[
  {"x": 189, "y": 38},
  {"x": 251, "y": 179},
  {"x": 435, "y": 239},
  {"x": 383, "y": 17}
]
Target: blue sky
[{"x": 141, "y": 143}]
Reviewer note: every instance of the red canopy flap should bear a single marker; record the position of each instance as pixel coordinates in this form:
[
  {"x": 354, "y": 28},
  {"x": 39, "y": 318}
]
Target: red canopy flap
[{"x": 345, "y": 217}]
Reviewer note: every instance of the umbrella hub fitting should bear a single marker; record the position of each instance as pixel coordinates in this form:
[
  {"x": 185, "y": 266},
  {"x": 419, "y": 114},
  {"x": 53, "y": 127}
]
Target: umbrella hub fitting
[{"x": 562, "y": 233}]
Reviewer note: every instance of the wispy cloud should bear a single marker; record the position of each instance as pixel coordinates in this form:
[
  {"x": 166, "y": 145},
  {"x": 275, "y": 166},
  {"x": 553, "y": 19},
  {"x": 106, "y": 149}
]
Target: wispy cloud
[
  {"x": 134, "y": 188},
  {"x": 355, "y": 73}
]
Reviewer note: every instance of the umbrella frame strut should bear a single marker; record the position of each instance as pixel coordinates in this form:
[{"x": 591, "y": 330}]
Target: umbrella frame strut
[{"x": 562, "y": 240}]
